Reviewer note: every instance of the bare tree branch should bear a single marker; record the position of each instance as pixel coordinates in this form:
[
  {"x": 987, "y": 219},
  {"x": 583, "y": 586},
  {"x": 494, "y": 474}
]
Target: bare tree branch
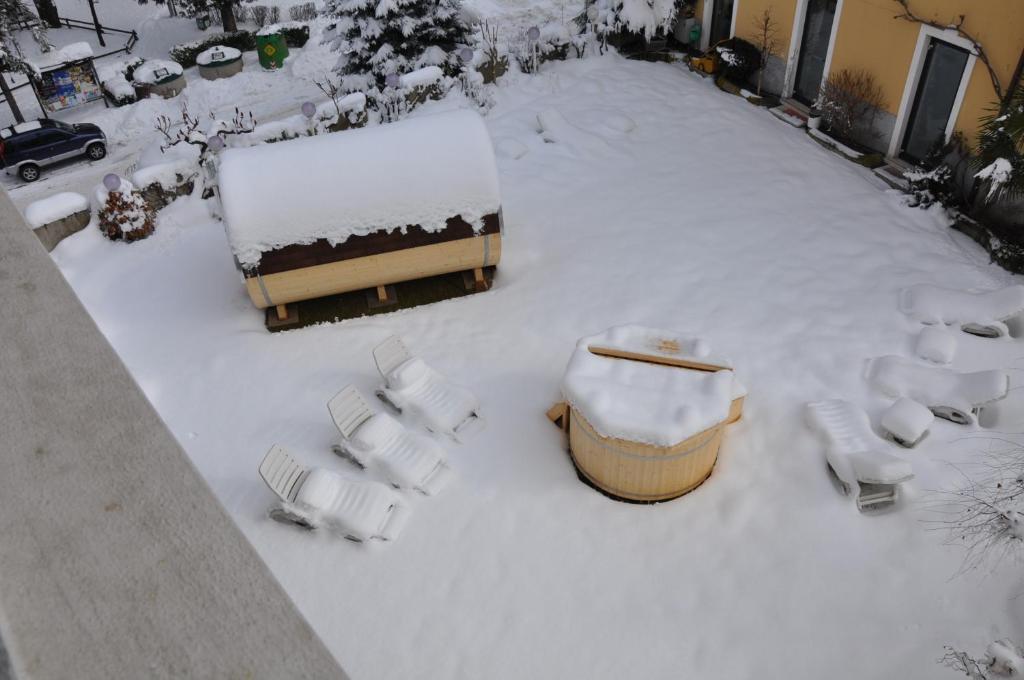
[{"x": 908, "y": 15}]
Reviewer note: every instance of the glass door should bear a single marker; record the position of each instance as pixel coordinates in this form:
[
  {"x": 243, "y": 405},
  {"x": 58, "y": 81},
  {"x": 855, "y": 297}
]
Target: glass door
[
  {"x": 721, "y": 21},
  {"x": 943, "y": 70},
  {"x": 810, "y": 64}
]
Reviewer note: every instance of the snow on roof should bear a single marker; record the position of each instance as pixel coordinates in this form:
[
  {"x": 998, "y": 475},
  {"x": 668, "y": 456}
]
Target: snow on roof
[
  {"x": 217, "y": 53},
  {"x": 421, "y": 170},
  {"x": 646, "y": 402},
  {"x": 152, "y": 71},
  {"x": 53, "y": 208},
  {"x": 63, "y": 55}
]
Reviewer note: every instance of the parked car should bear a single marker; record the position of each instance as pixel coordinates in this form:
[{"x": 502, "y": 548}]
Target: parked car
[{"x": 25, "y": 148}]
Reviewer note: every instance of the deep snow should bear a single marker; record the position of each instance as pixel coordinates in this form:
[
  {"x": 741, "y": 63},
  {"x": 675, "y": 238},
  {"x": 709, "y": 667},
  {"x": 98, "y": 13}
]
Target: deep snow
[{"x": 658, "y": 200}]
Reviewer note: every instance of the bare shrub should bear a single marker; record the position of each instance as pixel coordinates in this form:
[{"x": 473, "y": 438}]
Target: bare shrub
[
  {"x": 304, "y": 12},
  {"x": 259, "y": 14},
  {"x": 850, "y": 100},
  {"x": 275, "y": 14},
  {"x": 766, "y": 39}
]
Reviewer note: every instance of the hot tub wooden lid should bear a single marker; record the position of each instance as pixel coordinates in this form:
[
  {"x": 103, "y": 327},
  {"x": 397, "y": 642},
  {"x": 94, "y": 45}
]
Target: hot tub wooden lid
[{"x": 624, "y": 395}]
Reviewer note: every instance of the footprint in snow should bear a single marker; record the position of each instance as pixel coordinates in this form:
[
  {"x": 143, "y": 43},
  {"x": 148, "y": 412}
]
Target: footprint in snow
[{"x": 510, "y": 148}]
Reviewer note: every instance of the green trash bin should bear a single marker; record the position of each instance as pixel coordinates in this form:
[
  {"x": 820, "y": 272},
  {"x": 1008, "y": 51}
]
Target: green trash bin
[{"x": 272, "y": 50}]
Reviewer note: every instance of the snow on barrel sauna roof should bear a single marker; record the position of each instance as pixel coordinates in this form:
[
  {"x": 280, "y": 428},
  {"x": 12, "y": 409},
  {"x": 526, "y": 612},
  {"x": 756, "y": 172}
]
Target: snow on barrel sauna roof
[
  {"x": 419, "y": 171},
  {"x": 647, "y": 402}
]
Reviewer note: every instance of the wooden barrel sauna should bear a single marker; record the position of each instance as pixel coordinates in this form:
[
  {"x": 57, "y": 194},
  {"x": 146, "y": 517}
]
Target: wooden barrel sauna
[
  {"x": 646, "y": 411},
  {"x": 362, "y": 209}
]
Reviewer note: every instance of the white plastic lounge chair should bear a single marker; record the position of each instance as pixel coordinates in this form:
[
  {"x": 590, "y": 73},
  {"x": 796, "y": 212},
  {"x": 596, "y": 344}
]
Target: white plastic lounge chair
[
  {"x": 948, "y": 394},
  {"x": 410, "y": 384},
  {"x": 408, "y": 460},
  {"x": 315, "y": 497},
  {"x": 855, "y": 456},
  {"x": 981, "y": 314}
]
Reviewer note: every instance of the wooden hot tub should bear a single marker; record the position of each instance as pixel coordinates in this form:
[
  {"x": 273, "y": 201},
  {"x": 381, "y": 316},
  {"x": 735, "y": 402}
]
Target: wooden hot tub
[{"x": 645, "y": 414}]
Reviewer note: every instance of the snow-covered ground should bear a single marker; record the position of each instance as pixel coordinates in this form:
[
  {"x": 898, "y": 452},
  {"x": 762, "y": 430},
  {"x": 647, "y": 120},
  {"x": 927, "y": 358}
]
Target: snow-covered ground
[{"x": 650, "y": 197}]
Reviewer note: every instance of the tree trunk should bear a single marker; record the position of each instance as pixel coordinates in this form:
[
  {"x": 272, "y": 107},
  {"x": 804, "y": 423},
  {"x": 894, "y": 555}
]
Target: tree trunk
[
  {"x": 227, "y": 16},
  {"x": 48, "y": 13},
  {"x": 9, "y": 96}
]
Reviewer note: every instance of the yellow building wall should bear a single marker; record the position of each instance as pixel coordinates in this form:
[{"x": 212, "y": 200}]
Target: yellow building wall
[
  {"x": 871, "y": 38},
  {"x": 749, "y": 12}
]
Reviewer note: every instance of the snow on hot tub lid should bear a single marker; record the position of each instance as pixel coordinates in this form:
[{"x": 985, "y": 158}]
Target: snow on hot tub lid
[
  {"x": 419, "y": 171},
  {"x": 646, "y": 402},
  {"x": 157, "y": 71},
  {"x": 218, "y": 54}
]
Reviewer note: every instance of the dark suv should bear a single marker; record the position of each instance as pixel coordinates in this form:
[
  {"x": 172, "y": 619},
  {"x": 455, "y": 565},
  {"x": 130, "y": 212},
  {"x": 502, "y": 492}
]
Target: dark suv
[{"x": 26, "y": 147}]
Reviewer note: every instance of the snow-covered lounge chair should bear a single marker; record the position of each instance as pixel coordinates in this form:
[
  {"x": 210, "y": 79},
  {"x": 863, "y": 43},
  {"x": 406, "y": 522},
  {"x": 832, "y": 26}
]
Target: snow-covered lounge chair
[
  {"x": 314, "y": 498},
  {"x": 855, "y": 455},
  {"x": 907, "y": 422},
  {"x": 981, "y": 314},
  {"x": 948, "y": 394},
  {"x": 411, "y": 384},
  {"x": 407, "y": 459}
]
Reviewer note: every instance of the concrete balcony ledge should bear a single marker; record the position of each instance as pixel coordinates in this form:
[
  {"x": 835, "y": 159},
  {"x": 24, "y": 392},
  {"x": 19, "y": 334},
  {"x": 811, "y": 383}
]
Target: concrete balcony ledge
[{"x": 116, "y": 560}]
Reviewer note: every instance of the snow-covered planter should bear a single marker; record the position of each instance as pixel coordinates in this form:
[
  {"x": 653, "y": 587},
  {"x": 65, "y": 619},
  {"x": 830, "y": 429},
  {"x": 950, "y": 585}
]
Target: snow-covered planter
[
  {"x": 422, "y": 84},
  {"x": 367, "y": 208},
  {"x": 160, "y": 77},
  {"x": 645, "y": 411},
  {"x": 553, "y": 44},
  {"x": 219, "y": 61},
  {"x": 161, "y": 183},
  {"x": 340, "y": 113},
  {"x": 124, "y": 214},
  {"x": 56, "y": 217}
]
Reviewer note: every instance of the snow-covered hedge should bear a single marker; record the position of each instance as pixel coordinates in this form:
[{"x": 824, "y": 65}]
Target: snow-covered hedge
[
  {"x": 187, "y": 53},
  {"x": 645, "y": 17},
  {"x": 294, "y": 33}
]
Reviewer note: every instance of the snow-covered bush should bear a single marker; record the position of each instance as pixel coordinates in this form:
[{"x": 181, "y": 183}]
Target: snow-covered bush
[
  {"x": 643, "y": 17},
  {"x": 985, "y": 514},
  {"x": 1003, "y": 659},
  {"x": 390, "y": 37},
  {"x": 940, "y": 177},
  {"x": 739, "y": 59},
  {"x": 850, "y": 101},
  {"x": 161, "y": 183},
  {"x": 1000, "y": 160},
  {"x": 494, "y": 61},
  {"x": 124, "y": 214}
]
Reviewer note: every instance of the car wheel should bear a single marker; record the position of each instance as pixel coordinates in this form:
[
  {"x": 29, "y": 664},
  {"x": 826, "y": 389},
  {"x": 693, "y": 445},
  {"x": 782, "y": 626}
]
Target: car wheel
[
  {"x": 96, "y": 151},
  {"x": 29, "y": 172}
]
